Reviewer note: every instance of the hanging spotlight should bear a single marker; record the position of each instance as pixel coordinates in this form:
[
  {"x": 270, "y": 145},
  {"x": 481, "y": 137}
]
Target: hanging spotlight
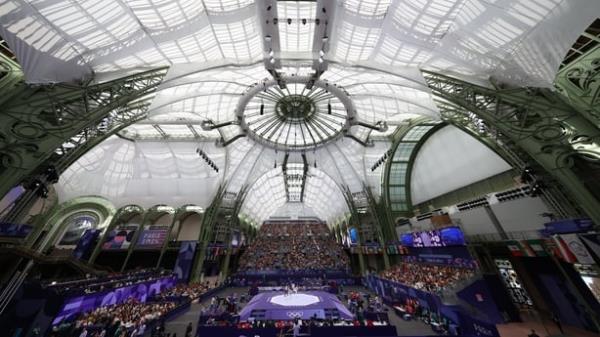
[
  {"x": 325, "y": 38},
  {"x": 268, "y": 38},
  {"x": 303, "y": 21},
  {"x": 275, "y": 21},
  {"x": 271, "y": 53},
  {"x": 272, "y": 60},
  {"x": 269, "y": 7},
  {"x": 289, "y": 20},
  {"x": 329, "y": 108},
  {"x": 321, "y": 60},
  {"x": 262, "y": 109},
  {"x": 317, "y": 21},
  {"x": 321, "y": 53}
]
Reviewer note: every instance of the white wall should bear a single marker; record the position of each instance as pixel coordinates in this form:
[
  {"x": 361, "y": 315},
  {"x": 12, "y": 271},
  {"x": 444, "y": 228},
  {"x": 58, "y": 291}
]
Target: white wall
[
  {"x": 190, "y": 228},
  {"x": 451, "y": 159},
  {"x": 521, "y": 214}
]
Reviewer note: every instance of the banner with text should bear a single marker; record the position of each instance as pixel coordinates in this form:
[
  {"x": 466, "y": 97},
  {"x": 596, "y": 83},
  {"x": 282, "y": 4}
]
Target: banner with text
[{"x": 152, "y": 237}]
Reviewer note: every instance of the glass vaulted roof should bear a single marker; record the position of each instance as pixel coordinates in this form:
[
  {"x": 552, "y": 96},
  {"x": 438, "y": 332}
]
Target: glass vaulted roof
[{"x": 218, "y": 51}]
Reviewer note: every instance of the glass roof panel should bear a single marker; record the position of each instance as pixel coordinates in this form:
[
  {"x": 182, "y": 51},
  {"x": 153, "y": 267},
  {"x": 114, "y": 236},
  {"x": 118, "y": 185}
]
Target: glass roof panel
[{"x": 298, "y": 35}]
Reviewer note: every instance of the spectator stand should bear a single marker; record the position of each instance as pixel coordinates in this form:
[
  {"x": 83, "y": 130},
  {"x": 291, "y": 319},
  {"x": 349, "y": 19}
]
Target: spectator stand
[{"x": 411, "y": 303}]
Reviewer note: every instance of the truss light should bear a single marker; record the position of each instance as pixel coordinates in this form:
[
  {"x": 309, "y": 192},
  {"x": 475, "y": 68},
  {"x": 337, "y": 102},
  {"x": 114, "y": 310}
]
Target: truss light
[
  {"x": 271, "y": 53},
  {"x": 268, "y": 38},
  {"x": 321, "y": 53},
  {"x": 321, "y": 60},
  {"x": 272, "y": 60},
  {"x": 329, "y": 108}
]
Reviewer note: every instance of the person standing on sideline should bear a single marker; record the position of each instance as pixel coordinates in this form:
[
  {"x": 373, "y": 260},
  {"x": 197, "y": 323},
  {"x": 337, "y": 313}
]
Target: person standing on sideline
[
  {"x": 556, "y": 321},
  {"x": 188, "y": 330}
]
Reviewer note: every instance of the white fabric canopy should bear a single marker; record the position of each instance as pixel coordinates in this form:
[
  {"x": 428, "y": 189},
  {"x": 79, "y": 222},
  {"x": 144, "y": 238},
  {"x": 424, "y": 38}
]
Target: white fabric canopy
[
  {"x": 520, "y": 41},
  {"x": 145, "y": 173},
  {"x": 217, "y": 49}
]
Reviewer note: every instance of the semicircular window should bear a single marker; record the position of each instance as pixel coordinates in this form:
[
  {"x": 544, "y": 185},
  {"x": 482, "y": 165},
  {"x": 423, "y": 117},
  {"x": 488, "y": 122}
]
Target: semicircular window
[{"x": 77, "y": 224}]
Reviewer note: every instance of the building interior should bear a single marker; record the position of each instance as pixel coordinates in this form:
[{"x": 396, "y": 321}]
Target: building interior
[{"x": 273, "y": 168}]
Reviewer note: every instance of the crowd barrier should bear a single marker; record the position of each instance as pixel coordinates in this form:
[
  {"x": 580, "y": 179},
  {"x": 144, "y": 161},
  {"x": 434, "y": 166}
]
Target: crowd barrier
[{"x": 332, "y": 331}]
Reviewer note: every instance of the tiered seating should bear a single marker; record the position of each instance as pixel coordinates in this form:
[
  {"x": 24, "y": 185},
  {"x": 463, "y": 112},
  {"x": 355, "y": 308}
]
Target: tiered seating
[
  {"x": 188, "y": 291},
  {"x": 115, "y": 280},
  {"x": 427, "y": 277},
  {"x": 130, "y": 318},
  {"x": 294, "y": 246}
]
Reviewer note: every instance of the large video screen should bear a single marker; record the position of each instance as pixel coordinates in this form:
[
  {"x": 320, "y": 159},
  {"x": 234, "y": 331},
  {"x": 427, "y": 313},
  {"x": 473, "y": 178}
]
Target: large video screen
[
  {"x": 449, "y": 236},
  {"x": 353, "y": 236},
  {"x": 120, "y": 238}
]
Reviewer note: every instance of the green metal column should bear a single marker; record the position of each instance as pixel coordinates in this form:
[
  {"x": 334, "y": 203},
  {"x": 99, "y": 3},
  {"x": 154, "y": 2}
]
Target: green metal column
[
  {"x": 374, "y": 209},
  {"x": 165, "y": 244},
  {"x": 150, "y": 213},
  {"x": 205, "y": 234},
  {"x": 537, "y": 121}
]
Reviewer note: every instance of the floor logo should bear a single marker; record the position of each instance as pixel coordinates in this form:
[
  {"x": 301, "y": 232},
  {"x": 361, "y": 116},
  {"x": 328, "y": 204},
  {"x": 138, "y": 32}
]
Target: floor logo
[{"x": 294, "y": 314}]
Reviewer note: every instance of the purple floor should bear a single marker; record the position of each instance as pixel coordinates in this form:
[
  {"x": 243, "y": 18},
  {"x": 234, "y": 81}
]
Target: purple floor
[{"x": 276, "y": 305}]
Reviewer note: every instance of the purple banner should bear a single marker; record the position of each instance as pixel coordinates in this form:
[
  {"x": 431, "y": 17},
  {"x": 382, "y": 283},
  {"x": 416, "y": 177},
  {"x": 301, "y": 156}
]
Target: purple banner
[
  {"x": 185, "y": 260},
  {"x": 458, "y": 256},
  {"x": 152, "y": 237},
  {"x": 478, "y": 295},
  {"x": 568, "y": 226},
  {"x": 86, "y": 244},
  {"x": 141, "y": 292},
  {"x": 14, "y": 230}
]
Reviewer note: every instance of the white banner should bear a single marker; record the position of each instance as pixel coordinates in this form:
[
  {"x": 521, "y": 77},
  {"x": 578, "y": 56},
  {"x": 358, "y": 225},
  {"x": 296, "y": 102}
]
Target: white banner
[{"x": 577, "y": 248}]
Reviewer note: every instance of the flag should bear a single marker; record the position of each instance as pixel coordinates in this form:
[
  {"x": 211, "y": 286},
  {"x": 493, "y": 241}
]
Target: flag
[{"x": 515, "y": 248}]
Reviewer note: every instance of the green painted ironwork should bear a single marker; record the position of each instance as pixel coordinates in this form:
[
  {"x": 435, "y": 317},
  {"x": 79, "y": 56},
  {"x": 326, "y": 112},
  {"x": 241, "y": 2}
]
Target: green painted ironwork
[
  {"x": 56, "y": 124},
  {"x": 537, "y": 122},
  {"x": 579, "y": 81},
  {"x": 206, "y": 232},
  {"x": 397, "y": 174}
]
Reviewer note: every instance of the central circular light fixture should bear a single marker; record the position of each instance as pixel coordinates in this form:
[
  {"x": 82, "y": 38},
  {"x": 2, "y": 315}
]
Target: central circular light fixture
[{"x": 295, "y": 117}]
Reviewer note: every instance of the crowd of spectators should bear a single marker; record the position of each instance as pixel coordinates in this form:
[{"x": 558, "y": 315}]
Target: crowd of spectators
[
  {"x": 91, "y": 284},
  {"x": 294, "y": 246},
  {"x": 192, "y": 291},
  {"x": 128, "y": 319},
  {"x": 427, "y": 277}
]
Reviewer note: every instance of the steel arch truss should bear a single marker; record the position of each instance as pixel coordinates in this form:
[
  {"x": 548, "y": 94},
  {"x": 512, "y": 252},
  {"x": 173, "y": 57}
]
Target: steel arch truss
[{"x": 532, "y": 123}]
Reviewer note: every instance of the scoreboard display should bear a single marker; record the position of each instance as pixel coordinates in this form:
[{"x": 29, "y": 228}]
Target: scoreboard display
[{"x": 449, "y": 236}]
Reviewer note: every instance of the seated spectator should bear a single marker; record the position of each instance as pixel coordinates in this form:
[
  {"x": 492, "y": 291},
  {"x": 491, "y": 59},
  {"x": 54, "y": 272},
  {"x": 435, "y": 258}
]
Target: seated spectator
[
  {"x": 294, "y": 247},
  {"x": 427, "y": 277}
]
